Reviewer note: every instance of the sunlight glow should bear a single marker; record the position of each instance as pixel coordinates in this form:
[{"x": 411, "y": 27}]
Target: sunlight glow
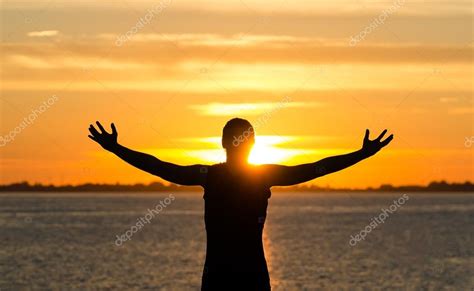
[
  {"x": 265, "y": 150},
  {"x": 268, "y": 149}
]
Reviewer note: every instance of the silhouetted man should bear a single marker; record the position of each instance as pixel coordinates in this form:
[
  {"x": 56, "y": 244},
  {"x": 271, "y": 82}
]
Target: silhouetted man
[{"x": 236, "y": 197}]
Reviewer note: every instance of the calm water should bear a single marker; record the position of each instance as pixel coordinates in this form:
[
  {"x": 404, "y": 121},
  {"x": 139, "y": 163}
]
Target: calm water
[{"x": 52, "y": 241}]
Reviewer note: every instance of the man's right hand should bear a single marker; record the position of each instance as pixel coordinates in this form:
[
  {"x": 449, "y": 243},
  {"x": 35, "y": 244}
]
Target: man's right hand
[
  {"x": 371, "y": 147},
  {"x": 107, "y": 140}
]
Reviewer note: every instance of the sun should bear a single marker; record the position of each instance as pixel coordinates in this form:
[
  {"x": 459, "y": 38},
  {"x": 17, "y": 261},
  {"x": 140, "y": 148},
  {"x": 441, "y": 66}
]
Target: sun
[
  {"x": 268, "y": 149},
  {"x": 265, "y": 151}
]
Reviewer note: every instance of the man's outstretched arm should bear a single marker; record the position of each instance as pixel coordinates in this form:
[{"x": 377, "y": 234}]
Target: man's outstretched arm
[
  {"x": 278, "y": 175},
  {"x": 183, "y": 175}
]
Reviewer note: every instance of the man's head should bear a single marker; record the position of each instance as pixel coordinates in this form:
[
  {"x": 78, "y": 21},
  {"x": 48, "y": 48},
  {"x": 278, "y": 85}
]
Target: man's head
[{"x": 238, "y": 137}]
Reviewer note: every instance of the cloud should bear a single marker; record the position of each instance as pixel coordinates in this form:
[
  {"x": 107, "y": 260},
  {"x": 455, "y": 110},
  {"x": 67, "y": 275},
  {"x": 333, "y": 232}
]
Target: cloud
[
  {"x": 257, "y": 63},
  {"x": 258, "y": 108},
  {"x": 299, "y": 7},
  {"x": 217, "y": 40},
  {"x": 436, "y": 22},
  {"x": 277, "y": 49},
  {"x": 43, "y": 33},
  {"x": 265, "y": 139},
  {"x": 79, "y": 62}
]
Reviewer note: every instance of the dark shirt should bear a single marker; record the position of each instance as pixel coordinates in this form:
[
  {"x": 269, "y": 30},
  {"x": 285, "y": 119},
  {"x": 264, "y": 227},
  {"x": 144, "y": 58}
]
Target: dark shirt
[{"x": 235, "y": 211}]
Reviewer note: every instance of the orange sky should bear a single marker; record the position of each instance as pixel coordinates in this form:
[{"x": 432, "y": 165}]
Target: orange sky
[{"x": 171, "y": 73}]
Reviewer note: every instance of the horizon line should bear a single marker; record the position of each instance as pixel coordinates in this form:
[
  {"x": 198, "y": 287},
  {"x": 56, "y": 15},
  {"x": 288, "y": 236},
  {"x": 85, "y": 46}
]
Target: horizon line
[{"x": 25, "y": 186}]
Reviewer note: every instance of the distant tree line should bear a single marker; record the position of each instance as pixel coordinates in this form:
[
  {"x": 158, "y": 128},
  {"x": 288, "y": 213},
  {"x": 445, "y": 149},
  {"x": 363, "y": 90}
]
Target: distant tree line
[{"x": 441, "y": 186}]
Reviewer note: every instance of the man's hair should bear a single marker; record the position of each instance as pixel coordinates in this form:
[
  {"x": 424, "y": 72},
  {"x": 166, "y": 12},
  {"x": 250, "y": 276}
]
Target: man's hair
[{"x": 237, "y": 131}]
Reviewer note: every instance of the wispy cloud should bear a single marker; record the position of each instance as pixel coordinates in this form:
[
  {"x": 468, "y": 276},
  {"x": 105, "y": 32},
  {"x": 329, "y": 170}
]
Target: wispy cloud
[
  {"x": 43, "y": 33},
  {"x": 208, "y": 39},
  {"x": 257, "y": 108},
  {"x": 58, "y": 62},
  {"x": 247, "y": 49},
  {"x": 264, "y": 139}
]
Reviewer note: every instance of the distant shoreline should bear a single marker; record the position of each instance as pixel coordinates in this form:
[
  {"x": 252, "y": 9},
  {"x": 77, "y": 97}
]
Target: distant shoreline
[{"x": 432, "y": 187}]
